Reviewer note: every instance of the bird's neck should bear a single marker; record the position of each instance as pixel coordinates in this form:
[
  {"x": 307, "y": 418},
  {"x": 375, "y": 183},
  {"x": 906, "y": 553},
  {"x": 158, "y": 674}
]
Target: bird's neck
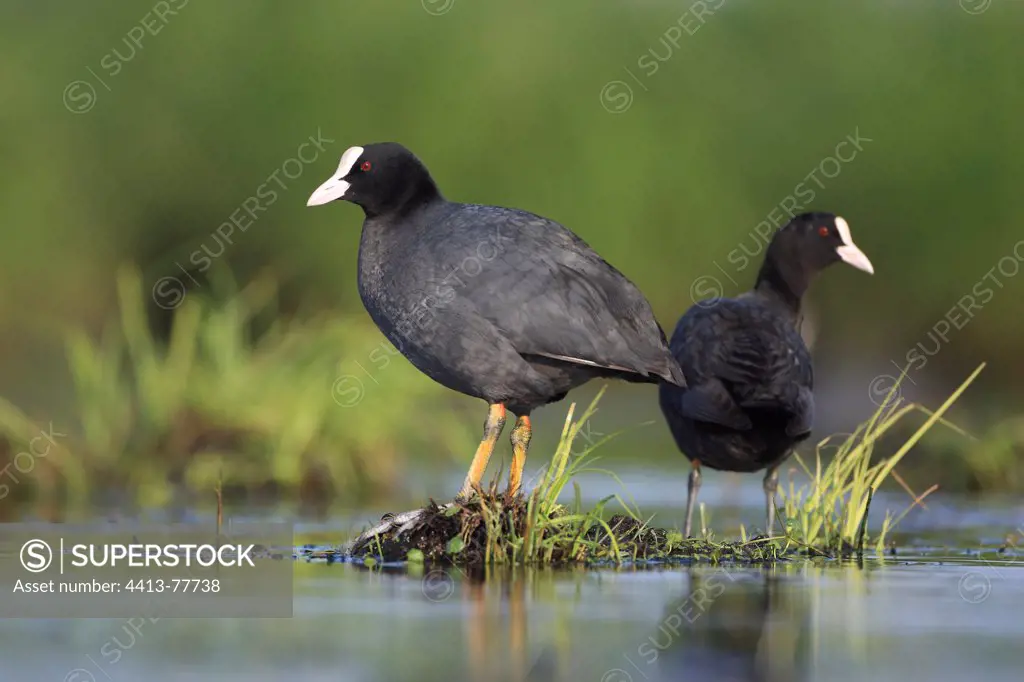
[
  {"x": 782, "y": 286},
  {"x": 387, "y": 232},
  {"x": 417, "y": 196}
]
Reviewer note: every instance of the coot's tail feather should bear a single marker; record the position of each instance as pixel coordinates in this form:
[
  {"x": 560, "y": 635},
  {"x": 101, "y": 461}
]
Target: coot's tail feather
[
  {"x": 675, "y": 374},
  {"x": 669, "y": 371}
]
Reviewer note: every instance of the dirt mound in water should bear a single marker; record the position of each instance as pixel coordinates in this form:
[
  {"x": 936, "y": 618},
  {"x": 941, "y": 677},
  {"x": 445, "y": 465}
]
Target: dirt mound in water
[{"x": 493, "y": 527}]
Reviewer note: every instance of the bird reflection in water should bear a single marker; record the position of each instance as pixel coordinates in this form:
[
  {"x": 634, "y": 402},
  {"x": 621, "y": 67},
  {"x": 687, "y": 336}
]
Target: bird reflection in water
[
  {"x": 496, "y": 629},
  {"x": 731, "y": 627}
]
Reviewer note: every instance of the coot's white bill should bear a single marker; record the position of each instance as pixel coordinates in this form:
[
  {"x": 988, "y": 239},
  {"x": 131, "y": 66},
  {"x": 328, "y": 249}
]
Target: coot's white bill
[
  {"x": 849, "y": 251},
  {"x": 336, "y": 186}
]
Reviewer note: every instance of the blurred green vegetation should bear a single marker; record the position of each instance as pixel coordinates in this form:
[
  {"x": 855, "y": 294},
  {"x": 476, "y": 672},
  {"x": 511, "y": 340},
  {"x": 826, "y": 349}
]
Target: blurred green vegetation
[
  {"x": 133, "y": 137},
  {"x": 217, "y": 407}
]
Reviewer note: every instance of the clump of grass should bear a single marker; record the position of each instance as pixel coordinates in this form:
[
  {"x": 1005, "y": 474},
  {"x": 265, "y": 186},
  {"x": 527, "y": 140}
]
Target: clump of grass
[
  {"x": 828, "y": 514},
  {"x": 495, "y": 528}
]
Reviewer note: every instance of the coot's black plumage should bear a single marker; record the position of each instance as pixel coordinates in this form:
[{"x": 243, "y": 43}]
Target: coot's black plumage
[
  {"x": 496, "y": 303},
  {"x": 749, "y": 400}
]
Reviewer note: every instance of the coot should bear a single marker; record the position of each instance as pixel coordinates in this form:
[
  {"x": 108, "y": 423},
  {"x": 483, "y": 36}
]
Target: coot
[
  {"x": 749, "y": 399},
  {"x": 496, "y": 303}
]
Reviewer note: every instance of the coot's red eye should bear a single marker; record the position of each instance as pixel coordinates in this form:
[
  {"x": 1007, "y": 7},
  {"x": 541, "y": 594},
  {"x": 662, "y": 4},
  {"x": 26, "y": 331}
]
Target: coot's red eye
[
  {"x": 823, "y": 231},
  {"x": 366, "y": 166}
]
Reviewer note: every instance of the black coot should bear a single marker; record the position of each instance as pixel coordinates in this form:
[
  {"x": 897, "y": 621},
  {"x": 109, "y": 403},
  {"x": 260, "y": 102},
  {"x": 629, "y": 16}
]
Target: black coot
[
  {"x": 749, "y": 399},
  {"x": 492, "y": 302}
]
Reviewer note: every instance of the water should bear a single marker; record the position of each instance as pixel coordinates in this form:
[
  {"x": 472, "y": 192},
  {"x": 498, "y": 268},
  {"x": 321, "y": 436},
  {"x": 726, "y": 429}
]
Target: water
[
  {"x": 936, "y": 611},
  {"x": 803, "y": 622}
]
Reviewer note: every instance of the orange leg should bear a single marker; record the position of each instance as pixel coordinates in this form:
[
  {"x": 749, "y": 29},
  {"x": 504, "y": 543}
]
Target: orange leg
[
  {"x": 520, "y": 444},
  {"x": 492, "y": 430}
]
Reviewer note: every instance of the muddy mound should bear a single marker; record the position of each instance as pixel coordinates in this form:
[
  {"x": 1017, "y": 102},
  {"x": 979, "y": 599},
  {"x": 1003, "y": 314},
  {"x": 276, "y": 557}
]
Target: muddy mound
[{"x": 497, "y": 528}]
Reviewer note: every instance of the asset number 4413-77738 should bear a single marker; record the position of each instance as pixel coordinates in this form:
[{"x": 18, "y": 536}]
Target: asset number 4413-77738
[{"x": 173, "y": 585}]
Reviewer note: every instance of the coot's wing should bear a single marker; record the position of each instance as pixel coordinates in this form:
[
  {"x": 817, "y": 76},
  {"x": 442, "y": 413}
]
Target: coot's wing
[
  {"x": 552, "y": 295},
  {"x": 786, "y": 377},
  {"x": 697, "y": 346},
  {"x": 803, "y": 413},
  {"x": 710, "y": 402},
  {"x": 738, "y": 356}
]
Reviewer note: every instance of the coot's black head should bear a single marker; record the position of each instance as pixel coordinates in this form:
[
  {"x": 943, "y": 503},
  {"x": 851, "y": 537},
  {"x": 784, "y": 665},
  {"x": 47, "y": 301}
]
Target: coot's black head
[
  {"x": 814, "y": 241},
  {"x": 382, "y": 178},
  {"x": 805, "y": 246}
]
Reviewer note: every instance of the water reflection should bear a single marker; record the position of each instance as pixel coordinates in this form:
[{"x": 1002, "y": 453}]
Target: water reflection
[
  {"x": 496, "y": 628},
  {"x": 799, "y": 622},
  {"x": 728, "y": 625},
  {"x": 732, "y": 627}
]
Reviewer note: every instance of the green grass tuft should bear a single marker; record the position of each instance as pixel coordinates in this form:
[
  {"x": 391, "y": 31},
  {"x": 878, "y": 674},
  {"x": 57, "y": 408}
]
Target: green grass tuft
[
  {"x": 494, "y": 528},
  {"x": 828, "y": 514}
]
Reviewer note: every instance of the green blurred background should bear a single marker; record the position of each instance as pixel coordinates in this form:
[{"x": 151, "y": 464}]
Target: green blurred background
[{"x": 664, "y": 133}]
